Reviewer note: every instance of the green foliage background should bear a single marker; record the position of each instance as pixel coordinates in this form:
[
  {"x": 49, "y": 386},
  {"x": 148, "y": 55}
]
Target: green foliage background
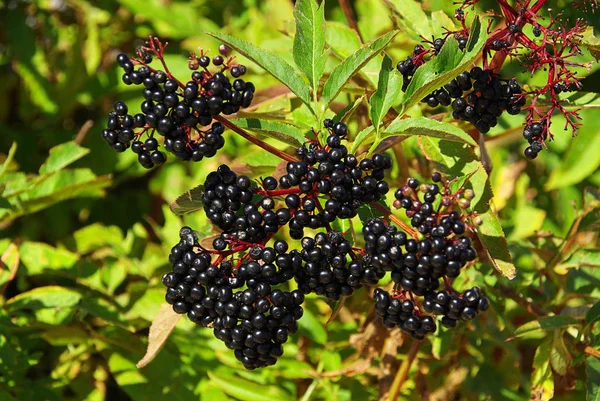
[{"x": 85, "y": 232}]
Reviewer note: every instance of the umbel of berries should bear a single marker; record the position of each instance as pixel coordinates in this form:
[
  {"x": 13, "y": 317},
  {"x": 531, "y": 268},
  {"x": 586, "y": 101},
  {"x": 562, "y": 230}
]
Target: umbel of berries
[
  {"x": 420, "y": 265},
  {"x": 178, "y": 115},
  {"x": 238, "y": 298},
  {"x": 480, "y": 97},
  {"x": 332, "y": 268}
]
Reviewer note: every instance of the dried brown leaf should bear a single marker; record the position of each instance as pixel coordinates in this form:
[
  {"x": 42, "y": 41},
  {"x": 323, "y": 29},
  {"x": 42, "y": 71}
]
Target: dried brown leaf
[{"x": 162, "y": 326}]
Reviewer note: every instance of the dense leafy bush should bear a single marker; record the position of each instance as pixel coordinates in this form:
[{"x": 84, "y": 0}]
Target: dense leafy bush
[{"x": 307, "y": 175}]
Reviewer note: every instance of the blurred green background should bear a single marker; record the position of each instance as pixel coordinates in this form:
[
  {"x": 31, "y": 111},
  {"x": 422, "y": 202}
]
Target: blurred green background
[{"x": 85, "y": 232}]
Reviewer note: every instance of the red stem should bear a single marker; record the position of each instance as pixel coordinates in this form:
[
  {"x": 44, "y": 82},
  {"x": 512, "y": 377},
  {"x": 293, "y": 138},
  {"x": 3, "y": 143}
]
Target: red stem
[
  {"x": 387, "y": 213},
  {"x": 254, "y": 140}
]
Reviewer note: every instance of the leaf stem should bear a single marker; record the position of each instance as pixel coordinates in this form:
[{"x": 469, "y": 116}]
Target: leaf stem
[
  {"x": 241, "y": 132},
  {"x": 390, "y": 216},
  {"x": 402, "y": 373}
]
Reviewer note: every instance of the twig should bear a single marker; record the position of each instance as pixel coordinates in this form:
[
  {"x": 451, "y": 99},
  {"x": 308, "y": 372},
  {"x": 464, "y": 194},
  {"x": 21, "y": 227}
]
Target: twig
[
  {"x": 388, "y": 213},
  {"x": 255, "y": 141},
  {"x": 85, "y": 128},
  {"x": 592, "y": 351},
  {"x": 402, "y": 373},
  {"x": 525, "y": 303},
  {"x": 350, "y": 18}
]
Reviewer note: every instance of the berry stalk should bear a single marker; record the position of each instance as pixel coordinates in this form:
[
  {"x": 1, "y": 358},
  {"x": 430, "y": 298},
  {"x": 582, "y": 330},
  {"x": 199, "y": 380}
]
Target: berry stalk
[{"x": 241, "y": 132}]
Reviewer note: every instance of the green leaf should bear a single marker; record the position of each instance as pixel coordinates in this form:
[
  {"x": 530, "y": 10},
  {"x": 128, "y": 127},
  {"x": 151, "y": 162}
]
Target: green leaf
[
  {"x": 422, "y": 126},
  {"x": 592, "y": 381},
  {"x": 545, "y": 323},
  {"x": 362, "y": 137},
  {"x": 312, "y": 328},
  {"x": 44, "y": 297},
  {"x": 589, "y": 41},
  {"x": 412, "y": 15},
  {"x": 273, "y": 64},
  {"x": 188, "y": 202},
  {"x": 61, "y": 156},
  {"x": 246, "y": 390},
  {"x": 96, "y": 235},
  {"x": 593, "y": 314},
  {"x": 286, "y": 133},
  {"x": 342, "y": 39},
  {"x": 447, "y": 65},
  {"x": 458, "y": 160},
  {"x": 560, "y": 359},
  {"x": 388, "y": 92},
  {"x": 366, "y": 211},
  {"x": 342, "y": 73},
  {"x": 542, "y": 384},
  {"x": 8, "y": 160},
  {"x": 582, "y": 157},
  {"x": 309, "y": 42},
  {"x": 41, "y": 258}
]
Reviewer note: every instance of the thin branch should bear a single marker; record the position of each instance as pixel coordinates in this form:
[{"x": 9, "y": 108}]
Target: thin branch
[
  {"x": 402, "y": 373},
  {"x": 388, "y": 213},
  {"x": 241, "y": 132},
  {"x": 350, "y": 18}
]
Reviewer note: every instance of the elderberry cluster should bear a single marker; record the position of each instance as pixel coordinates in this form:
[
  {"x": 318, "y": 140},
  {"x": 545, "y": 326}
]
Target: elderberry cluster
[
  {"x": 237, "y": 299},
  {"x": 396, "y": 312},
  {"x": 176, "y": 111},
  {"x": 332, "y": 172},
  {"x": 408, "y": 67},
  {"x": 486, "y": 100},
  {"x": 120, "y": 132},
  {"x": 331, "y": 268},
  {"x": 418, "y": 265},
  {"x": 535, "y": 133},
  {"x": 454, "y": 307},
  {"x": 227, "y": 201}
]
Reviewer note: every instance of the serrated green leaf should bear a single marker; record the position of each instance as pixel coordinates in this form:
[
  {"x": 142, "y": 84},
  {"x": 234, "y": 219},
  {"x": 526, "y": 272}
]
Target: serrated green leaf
[
  {"x": 246, "y": 390},
  {"x": 458, "y": 160},
  {"x": 422, "y": 126},
  {"x": 413, "y": 16},
  {"x": 367, "y": 133},
  {"x": 387, "y": 93},
  {"x": 188, "y": 202},
  {"x": 61, "y": 156},
  {"x": 286, "y": 133},
  {"x": 350, "y": 66},
  {"x": 545, "y": 323},
  {"x": 309, "y": 41},
  {"x": 45, "y": 297},
  {"x": 444, "y": 67},
  {"x": 271, "y": 63}
]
